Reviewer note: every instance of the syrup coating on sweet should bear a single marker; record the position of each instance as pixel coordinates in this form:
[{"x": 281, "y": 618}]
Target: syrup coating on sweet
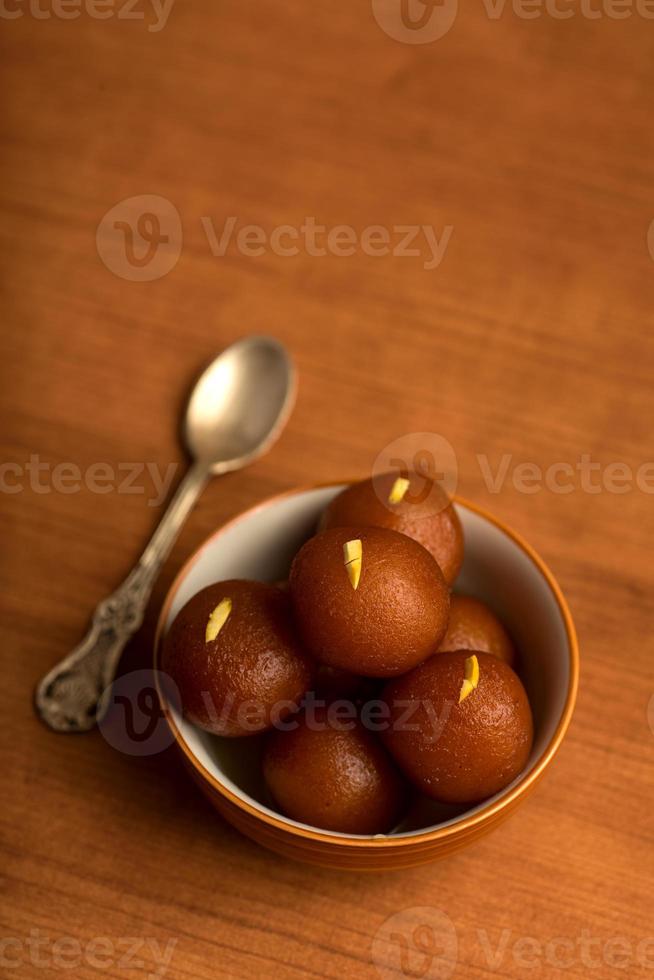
[
  {"x": 234, "y": 654},
  {"x": 459, "y": 749},
  {"x": 340, "y": 780},
  {"x": 375, "y": 609},
  {"x": 413, "y": 505}
]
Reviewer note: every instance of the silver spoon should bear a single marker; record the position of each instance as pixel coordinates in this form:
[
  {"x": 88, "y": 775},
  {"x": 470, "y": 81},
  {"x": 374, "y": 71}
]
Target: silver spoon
[{"x": 236, "y": 411}]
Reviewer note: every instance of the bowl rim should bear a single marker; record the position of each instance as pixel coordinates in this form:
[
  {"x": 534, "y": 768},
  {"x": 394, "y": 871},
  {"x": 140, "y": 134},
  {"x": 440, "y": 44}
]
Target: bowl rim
[{"x": 451, "y": 829}]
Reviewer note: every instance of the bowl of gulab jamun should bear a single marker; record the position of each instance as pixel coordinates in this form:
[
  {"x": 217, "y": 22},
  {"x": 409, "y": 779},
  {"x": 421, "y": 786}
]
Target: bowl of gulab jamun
[{"x": 366, "y": 675}]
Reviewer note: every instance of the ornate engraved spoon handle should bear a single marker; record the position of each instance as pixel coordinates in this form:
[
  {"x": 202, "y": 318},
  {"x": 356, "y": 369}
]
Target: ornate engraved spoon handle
[{"x": 74, "y": 695}]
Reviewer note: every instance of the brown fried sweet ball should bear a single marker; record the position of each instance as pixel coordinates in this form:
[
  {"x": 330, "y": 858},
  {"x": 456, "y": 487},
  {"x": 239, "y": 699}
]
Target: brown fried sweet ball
[
  {"x": 234, "y": 655},
  {"x": 473, "y": 626},
  {"x": 332, "y": 776},
  {"x": 470, "y": 730},
  {"x": 368, "y": 600},
  {"x": 415, "y": 506}
]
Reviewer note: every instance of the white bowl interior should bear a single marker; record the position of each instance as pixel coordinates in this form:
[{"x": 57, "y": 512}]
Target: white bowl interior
[{"x": 261, "y": 545}]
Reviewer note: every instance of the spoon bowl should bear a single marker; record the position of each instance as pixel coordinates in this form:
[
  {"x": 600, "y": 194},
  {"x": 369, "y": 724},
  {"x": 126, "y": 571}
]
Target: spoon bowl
[{"x": 240, "y": 404}]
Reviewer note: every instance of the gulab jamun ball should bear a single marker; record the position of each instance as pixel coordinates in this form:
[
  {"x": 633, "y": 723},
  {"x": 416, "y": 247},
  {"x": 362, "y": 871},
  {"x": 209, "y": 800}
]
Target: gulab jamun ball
[
  {"x": 368, "y": 600},
  {"x": 470, "y": 730},
  {"x": 234, "y": 655},
  {"x": 473, "y": 626},
  {"x": 334, "y": 777},
  {"x": 415, "y": 506}
]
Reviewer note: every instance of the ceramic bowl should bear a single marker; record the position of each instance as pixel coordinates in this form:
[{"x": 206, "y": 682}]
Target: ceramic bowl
[{"x": 500, "y": 568}]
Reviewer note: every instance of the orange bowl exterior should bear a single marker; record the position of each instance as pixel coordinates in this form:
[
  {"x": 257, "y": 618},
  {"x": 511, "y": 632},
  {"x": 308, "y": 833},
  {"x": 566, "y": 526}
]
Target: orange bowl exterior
[{"x": 363, "y": 854}]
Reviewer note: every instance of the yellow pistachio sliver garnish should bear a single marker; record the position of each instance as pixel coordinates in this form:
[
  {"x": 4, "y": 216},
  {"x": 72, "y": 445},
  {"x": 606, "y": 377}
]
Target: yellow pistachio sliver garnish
[
  {"x": 399, "y": 488},
  {"x": 352, "y": 551},
  {"x": 217, "y": 619},
  {"x": 471, "y": 678}
]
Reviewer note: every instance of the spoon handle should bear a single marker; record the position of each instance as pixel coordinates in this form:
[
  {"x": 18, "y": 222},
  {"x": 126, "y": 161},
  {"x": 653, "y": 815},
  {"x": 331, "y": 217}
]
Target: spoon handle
[{"x": 74, "y": 695}]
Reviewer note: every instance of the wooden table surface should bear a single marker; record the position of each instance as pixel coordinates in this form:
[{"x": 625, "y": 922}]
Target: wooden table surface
[{"x": 530, "y": 341}]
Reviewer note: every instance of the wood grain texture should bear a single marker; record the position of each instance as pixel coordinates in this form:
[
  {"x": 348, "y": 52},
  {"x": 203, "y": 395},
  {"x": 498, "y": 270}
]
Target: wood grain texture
[{"x": 533, "y": 140}]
